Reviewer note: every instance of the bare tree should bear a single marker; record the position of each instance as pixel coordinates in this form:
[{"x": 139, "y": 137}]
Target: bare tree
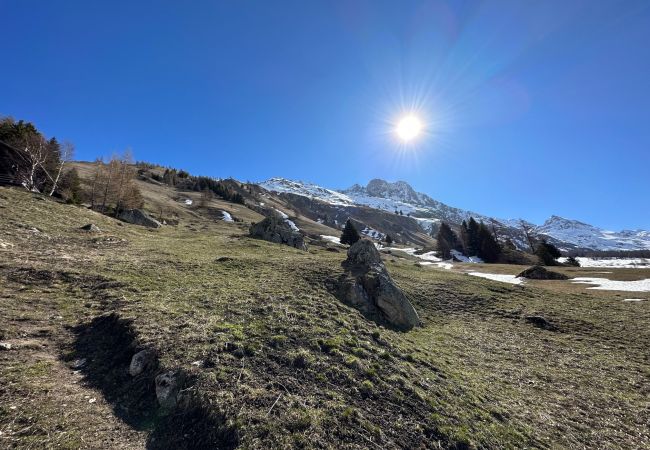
[
  {"x": 67, "y": 153},
  {"x": 36, "y": 150},
  {"x": 125, "y": 176},
  {"x": 99, "y": 162},
  {"x": 528, "y": 237},
  {"x": 113, "y": 167}
]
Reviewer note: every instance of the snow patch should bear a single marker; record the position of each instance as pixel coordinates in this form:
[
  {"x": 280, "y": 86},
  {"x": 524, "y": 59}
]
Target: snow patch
[
  {"x": 512, "y": 279},
  {"x": 603, "y": 284},
  {"x": 466, "y": 259},
  {"x": 226, "y": 216},
  {"x": 633, "y": 300},
  {"x": 285, "y": 217},
  {"x": 374, "y": 234},
  {"x": 334, "y": 239},
  {"x": 630, "y": 263}
]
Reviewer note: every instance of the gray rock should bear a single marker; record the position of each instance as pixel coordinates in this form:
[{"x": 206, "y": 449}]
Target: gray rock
[
  {"x": 138, "y": 217},
  {"x": 168, "y": 385},
  {"x": 91, "y": 228},
  {"x": 275, "y": 229},
  {"x": 141, "y": 361},
  {"x": 5, "y": 346},
  {"x": 541, "y": 273},
  {"x": 367, "y": 286}
]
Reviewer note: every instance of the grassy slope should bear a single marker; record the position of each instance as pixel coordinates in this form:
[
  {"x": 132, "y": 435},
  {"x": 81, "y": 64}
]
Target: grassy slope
[{"x": 274, "y": 360}]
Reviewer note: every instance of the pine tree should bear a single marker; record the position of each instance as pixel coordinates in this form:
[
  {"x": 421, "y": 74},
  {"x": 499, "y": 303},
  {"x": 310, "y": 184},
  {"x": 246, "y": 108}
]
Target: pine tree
[
  {"x": 447, "y": 240},
  {"x": 489, "y": 248},
  {"x": 350, "y": 234},
  {"x": 464, "y": 237},
  {"x": 389, "y": 239},
  {"x": 547, "y": 253},
  {"x": 473, "y": 238}
]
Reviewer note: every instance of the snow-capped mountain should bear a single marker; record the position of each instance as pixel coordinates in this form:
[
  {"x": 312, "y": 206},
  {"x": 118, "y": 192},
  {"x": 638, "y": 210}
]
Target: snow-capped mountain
[
  {"x": 583, "y": 235},
  {"x": 401, "y": 199}
]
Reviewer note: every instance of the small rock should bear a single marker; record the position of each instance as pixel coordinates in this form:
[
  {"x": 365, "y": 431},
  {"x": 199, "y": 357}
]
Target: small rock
[
  {"x": 141, "y": 361},
  {"x": 223, "y": 259},
  {"x": 168, "y": 385},
  {"x": 5, "y": 346},
  {"x": 79, "y": 363},
  {"x": 541, "y": 322},
  {"x": 92, "y": 400},
  {"x": 91, "y": 228},
  {"x": 5, "y": 245}
]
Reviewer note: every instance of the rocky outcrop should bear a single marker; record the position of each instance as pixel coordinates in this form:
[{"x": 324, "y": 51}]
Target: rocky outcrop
[
  {"x": 275, "y": 229},
  {"x": 367, "y": 286},
  {"x": 138, "y": 217},
  {"x": 541, "y": 273}
]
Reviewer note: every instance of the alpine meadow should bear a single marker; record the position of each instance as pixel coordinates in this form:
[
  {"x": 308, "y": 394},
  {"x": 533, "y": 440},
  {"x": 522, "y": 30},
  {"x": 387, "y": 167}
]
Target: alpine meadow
[{"x": 207, "y": 242}]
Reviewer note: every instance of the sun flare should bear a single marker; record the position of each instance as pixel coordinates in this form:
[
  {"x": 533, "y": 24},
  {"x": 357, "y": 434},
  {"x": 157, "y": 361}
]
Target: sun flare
[{"x": 408, "y": 128}]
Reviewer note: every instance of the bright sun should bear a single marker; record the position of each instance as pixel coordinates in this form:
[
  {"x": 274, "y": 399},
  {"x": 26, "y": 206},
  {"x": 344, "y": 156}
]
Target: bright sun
[{"x": 409, "y": 128}]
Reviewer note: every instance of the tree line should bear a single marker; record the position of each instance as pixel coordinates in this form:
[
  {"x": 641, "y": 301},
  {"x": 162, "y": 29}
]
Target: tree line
[
  {"x": 475, "y": 239},
  {"x": 207, "y": 185},
  {"x": 44, "y": 158}
]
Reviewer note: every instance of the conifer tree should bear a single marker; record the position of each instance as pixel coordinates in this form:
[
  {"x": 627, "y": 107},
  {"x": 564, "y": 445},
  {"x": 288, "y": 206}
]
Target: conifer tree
[
  {"x": 473, "y": 238},
  {"x": 489, "y": 248},
  {"x": 547, "y": 253},
  {"x": 389, "y": 239},
  {"x": 350, "y": 234},
  {"x": 464, "y": 237},
  {"x": 447, "y": 240}
]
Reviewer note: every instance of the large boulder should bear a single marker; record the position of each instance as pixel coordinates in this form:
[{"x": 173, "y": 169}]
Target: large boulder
[
  {"x": 275, "y": 229},
  {"x": 138, "y": 217},
  {"x": 367, "y": 286},
  {"x": 541, "y": 273}
]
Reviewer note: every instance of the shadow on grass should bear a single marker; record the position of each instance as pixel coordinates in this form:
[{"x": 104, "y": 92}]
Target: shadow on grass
[{"x": 106, "y": 345}]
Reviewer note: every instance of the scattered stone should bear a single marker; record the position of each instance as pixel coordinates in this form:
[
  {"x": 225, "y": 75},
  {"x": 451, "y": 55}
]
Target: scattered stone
[
  {"x": 141, "y": 361},
  {"x": 223, "y": 259},
  {"x": 5, "y": 245},
  {"x": 367, "y": 286},
  {"x": 139, "y": 217},
  {"x": 5, "y": 346},
  {"x": 541, "y": 273},
  {"x": 79, "y": 363},
  {"x": 275, "y": 229},
  {"x": 333, "y": 249},
  {"x": 168, "y": 385},
  {"x": 91, "y": 228},
  {"x": 541, "y": 322}
]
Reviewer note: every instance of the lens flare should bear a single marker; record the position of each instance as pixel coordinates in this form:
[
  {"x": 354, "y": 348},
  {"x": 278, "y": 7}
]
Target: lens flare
[{"x": 408, "y": 128}]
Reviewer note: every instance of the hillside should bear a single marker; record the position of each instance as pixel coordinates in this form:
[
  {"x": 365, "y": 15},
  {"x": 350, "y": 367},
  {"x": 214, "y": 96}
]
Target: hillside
[{"x": 267, "y": 355}]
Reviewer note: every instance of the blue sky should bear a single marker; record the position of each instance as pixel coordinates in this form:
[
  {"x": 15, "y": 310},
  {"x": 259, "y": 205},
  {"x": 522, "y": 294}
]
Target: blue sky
[{"x": 531, "y": 108}]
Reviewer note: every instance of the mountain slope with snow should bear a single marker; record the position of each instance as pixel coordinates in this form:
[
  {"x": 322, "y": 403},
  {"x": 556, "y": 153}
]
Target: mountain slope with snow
[
  {"x": 583, "y": 235},
  {"x": 400, "y": 198}
]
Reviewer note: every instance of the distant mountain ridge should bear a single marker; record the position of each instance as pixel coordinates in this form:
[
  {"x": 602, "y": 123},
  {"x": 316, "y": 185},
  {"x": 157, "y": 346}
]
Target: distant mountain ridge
[{"x": 400, "y": 197}]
